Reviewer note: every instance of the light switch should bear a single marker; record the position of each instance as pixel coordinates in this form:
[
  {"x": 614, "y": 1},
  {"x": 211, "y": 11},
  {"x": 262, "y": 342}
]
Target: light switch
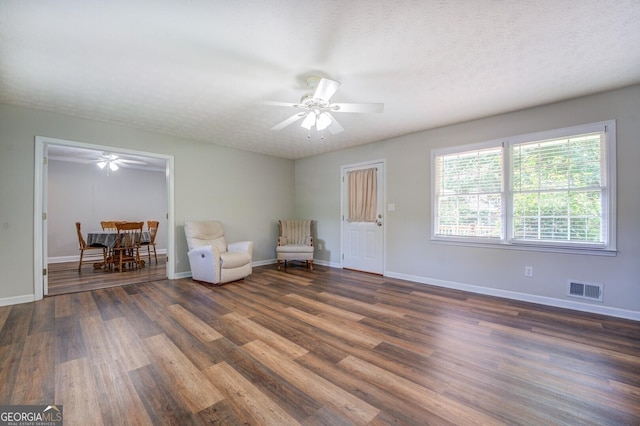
[{"x": 391, "y": 207}]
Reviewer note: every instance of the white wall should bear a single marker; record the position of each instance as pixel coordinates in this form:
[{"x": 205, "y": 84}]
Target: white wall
[
  {"x": 84, "y": 193},
  {"x": 409, "y": 252},
  {"x": 247, "y": 192}
]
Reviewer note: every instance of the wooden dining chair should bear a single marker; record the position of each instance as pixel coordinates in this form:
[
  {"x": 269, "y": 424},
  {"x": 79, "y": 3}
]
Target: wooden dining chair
[
  {"x": 126, "y": 252},
  {"x": 84, "y": 247},
  {"x": 152, "y": 225},
  {"x": 109, "y": 225}
]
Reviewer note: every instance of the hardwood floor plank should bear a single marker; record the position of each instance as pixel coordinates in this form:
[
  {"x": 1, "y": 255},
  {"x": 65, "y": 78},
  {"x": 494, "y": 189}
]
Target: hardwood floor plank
[
  {"x": 97, "y": 342},
  {"x": 435, "y": 402},
  {"x": 69, "y": 341},
  {"x": 10, "y": 356},
  {"x": 319, "y": 388},
  {"x": 141, "y": 324},
  {"x": 43, "y": 317},
  {"x": 4, "y": 314},
  {"x": 76, "y": 391},
  {"x": 298, "y": 404},
  {"x": 36, "y": 372},
  {"x": 261, "y": 409},
  {"x": 401, "y": 410},
  {"x": 121, "y": 403},
  {"x": 256, "y": 331},
  {"x": 196, "y": 391},
  {"x": 337, "y": 328},
  {"x": 200, "y": 354},
  {"x": 323, "y": 307},
  {"x": 64, "y": 278},
  {"x": 325, "y": 347},
  {"x": 16, "y": 326},
  {"x": 121, "y": 338},
  {"x": 358, "y": 306},
  {"x": 85, "y": 305},
  {"x": 194, "y": 325},
  {"x": 160, "y": 399}
]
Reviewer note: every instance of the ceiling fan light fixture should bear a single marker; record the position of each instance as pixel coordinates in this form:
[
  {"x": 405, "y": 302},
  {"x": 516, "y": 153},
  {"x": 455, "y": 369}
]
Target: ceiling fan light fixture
[
  {"x": 322, "y": 122},
  {"x": 318, "y": 108},
  {"x": 102, "y": 164},
  {"x": 113, "y": 166},
  {"x": 309, "y": 120}
]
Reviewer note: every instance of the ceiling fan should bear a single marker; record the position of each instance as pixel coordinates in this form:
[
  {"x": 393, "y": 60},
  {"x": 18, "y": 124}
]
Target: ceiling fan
[
  {"x": 317, "y": 108},
  {"x": 113, "y": 162}
]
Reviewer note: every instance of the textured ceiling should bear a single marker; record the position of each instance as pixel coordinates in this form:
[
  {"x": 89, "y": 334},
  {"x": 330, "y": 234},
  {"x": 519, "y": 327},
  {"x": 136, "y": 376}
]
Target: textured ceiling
[{"x": 198, "y": 69}]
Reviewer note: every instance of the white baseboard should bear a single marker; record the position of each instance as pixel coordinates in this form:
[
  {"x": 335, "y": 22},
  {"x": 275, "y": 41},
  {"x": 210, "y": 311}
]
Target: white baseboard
[
  {"x": 523, "y": 297},
  {"x": 329, "y": 264},
  {"x": 179, "y": 275},
  {"x": 17, "y": 299}
]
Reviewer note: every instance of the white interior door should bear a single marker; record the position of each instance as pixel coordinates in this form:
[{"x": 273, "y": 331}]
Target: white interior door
[{"x": 363, "y": 242}]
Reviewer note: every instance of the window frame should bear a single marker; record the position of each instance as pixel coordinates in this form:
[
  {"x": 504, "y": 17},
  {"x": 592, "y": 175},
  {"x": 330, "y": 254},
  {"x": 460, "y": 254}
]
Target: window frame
[{"x": 506, "y": 239}]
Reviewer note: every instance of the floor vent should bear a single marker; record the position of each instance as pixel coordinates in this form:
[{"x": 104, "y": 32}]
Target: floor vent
[{"x": 585, "y": 290}]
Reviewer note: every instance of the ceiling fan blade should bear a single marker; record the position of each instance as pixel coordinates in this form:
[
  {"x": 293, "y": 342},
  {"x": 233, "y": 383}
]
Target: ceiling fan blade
[
  {"x": 326, "y": 89},
  {"x": 334, "y": 127},
  {"x": 349, "y": 107},
  {"x": 276, "y": 103},
  {"x": 288, "y": 121}
]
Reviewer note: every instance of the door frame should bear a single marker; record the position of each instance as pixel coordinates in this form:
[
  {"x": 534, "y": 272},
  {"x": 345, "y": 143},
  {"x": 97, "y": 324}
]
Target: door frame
[
  {"x": 383, "y": 183},
  {"x": 40, "y": 224}
]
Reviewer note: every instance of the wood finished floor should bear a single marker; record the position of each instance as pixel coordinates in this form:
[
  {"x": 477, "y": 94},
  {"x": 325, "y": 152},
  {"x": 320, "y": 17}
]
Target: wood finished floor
[
  {"x": 64, "y": 277},
  {"x": 325, "y": 347}
]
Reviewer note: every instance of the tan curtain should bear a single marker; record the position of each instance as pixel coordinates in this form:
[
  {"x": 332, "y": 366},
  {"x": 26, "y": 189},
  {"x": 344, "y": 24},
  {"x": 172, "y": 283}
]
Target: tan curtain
[{"x": 362, "y": 195}]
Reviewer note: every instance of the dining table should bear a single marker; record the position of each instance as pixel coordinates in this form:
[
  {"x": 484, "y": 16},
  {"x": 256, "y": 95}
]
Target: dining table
[{"x": 109, "y": 239}]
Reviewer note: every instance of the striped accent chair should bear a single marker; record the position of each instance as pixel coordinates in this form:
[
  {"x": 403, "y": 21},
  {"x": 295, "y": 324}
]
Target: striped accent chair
[{"x": 295, "y": 242}]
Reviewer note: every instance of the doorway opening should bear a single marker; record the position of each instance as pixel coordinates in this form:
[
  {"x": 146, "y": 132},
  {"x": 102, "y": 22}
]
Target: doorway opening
[{"x": 79, "y": 155}]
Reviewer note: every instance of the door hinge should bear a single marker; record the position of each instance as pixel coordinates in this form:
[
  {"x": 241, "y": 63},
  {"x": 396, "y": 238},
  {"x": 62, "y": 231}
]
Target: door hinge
[
  {"x": 44, "y": 216},
  {"x": 44, "y": 272},
  {"x": 45, "y": 160}
]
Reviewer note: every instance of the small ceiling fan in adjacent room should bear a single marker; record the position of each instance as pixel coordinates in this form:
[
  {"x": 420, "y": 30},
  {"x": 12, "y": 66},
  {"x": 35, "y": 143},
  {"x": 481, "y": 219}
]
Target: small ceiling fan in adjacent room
[
  {"x": 317, "y": 108},
  {"x": 113, "y": 162}
]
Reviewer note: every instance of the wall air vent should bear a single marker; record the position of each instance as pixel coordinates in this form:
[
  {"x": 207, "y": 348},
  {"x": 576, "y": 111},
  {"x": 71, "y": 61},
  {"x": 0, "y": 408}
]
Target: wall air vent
[{"x": 584, "y": 290}]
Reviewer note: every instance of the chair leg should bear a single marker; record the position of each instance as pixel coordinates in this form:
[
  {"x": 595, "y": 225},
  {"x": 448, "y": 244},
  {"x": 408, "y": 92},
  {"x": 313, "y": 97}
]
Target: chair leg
[
  {"x": 155, "y": 254},
  {"x": 279, "y": 261},
  {"x": 80, "y": 264},
  {"x": 310, "y": 263}
]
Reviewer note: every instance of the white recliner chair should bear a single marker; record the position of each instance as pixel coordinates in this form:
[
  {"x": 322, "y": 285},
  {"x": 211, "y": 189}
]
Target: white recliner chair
[{"x": 212, "y": 260}]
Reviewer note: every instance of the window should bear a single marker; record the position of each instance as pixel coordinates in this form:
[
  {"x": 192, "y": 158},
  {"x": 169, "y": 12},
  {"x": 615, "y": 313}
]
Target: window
[{"x": 553, "y": 189}]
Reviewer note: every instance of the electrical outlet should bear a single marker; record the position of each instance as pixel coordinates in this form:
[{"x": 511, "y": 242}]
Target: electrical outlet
[{"x": 528, "y": 271}]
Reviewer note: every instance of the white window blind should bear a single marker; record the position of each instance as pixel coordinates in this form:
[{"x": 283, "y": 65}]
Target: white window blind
[
  {"x": 469, "y": 193},
  {"x": 559, "y": 187},
  {"x": 552, "y": 190}
]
